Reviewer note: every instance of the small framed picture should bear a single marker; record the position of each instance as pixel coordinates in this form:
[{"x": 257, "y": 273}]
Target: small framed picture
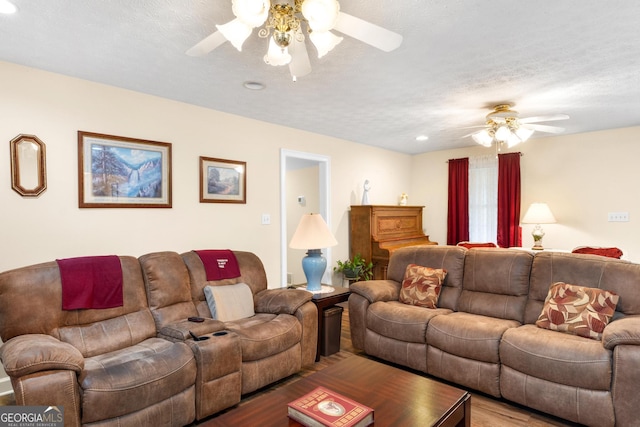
[
  {"x": 222, "y": 181},
  {"x": 120, "y": 172}
]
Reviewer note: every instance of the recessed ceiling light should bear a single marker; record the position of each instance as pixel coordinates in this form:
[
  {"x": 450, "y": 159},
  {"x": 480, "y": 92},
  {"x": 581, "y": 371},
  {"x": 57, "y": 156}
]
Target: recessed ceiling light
[
  {"x": 253, "y": 85},
  {"x": 7, "y": 7},
  {"x": 422, "y": 138}
]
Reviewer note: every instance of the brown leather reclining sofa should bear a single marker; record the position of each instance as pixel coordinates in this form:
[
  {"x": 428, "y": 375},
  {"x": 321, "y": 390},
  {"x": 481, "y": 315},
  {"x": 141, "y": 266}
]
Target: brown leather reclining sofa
[
  {"x": 138, "y": 364},
  {"x": 483, "y": 333}
]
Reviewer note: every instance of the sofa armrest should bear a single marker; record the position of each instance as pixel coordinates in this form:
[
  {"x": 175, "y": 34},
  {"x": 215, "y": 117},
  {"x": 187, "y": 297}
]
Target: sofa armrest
[
  {"x": 31, "y": 353},
  {"x": 622, "y": 331},
  {"x": 377, "y": 290},
  {"x": 180, "y": 331},
  {"x": 281, "y": 301}
]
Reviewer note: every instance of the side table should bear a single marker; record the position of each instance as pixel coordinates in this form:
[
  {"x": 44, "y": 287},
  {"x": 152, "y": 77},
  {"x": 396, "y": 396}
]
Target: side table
[{"x": 324, "y": 301}]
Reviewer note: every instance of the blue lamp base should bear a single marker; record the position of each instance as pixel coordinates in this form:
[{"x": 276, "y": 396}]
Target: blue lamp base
[{"x": 314, "y": 265}]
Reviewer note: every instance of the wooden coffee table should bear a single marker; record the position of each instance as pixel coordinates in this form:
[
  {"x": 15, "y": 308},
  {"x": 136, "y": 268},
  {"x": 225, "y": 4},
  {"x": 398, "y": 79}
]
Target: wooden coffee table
[{"x": 398, "y": 397}]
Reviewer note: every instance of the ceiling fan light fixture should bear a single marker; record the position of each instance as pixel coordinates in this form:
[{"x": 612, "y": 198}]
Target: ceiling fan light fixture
[
  {"x": 320, "y": 14},
  {"x": 283, "y": 22},
  {"x": 277, "y": 55},
  {"x": 236, "y": 32},
  {"x": 324, "y": 41}
]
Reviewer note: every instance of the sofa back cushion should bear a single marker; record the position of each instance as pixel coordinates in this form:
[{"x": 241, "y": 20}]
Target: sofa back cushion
[
  {"x": 168, "y": 290},
  {"x": 251, "y": 272},
  {"x": 31, "y": 303},
  {"x": 449, "y": 258},
  {"x": 610, "y": 274},
  {"x": 496, "y": 283}
]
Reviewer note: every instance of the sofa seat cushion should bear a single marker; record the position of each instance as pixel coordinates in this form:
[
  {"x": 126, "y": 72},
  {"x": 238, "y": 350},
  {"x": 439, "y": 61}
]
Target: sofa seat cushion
[
  {"x": 400, "y": 321},
  {"x": 557, "y": 357},
  {"x": 265, "y": 335},
  {"x": 468, "y": 335},
  {"x": 127, "y": 380}
]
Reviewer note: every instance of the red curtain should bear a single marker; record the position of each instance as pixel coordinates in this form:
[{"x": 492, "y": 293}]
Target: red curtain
[
  {"x": 458, "y": 213},
  {"x": 509, "y": 230}
]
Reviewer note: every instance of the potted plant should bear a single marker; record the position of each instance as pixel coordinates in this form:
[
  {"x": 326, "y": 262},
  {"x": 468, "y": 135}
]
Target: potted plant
[{"x": 355, "y": 269}]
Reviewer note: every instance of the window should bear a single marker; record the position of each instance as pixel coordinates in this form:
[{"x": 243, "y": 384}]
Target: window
[{"x": 483, "y": 198}]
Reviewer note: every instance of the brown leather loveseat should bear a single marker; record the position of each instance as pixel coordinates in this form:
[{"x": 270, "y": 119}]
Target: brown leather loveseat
[
  {"x": 484, "y": 333},
  {"x": 138, "y": 364}
]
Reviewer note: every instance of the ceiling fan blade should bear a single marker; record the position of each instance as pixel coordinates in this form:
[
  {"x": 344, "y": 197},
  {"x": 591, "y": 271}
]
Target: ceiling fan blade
[
  {"x": 367, "y": 32},
  {"x": 469, "y": 134},
  {"x": 474, "y": 127},
  {"x": 549, "y": 118},
  {"x": 207, "y": 45},
  {"x": 300, "y": 64},
  {"x": 545, "y": 128}
]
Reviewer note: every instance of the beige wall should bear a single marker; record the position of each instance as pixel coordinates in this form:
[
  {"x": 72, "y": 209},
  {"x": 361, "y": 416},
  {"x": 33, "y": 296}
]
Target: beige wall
[
  {"x": 55, "y": 107},
  {"x": 582, "y": 178}
]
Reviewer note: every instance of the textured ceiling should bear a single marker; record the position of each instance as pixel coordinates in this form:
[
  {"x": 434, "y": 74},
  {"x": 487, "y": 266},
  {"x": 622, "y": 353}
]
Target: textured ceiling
[{"x": 458, "y": 59}]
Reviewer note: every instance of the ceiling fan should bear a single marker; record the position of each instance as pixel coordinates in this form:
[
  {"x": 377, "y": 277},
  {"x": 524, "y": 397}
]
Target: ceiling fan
[
  {"x": 282, "y": 25},
  {"x": 505, "y": 126}
]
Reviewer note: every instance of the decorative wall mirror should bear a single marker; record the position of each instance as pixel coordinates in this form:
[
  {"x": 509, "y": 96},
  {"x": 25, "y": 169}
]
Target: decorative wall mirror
[{"x": 28, "y": 166}]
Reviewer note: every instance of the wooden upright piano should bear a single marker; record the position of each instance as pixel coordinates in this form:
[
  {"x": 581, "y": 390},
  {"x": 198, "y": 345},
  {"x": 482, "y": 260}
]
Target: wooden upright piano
[{"x": 376, "y": 231}]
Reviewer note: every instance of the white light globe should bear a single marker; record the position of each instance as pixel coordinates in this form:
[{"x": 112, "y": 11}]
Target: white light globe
[
  {"x": 502, "y": 133},
  {"x": 324, "y": 41},
  {"x": 321, "y": 14},
  {"x": 276, "y": 55},
  {"x": 236, "y": 32},
  {"x": 252, "y": 12}
]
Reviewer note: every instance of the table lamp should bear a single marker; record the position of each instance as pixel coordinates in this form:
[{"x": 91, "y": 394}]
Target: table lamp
[
  {"x": 538, "y": 213},
  {"x": 313, "y": 234}
]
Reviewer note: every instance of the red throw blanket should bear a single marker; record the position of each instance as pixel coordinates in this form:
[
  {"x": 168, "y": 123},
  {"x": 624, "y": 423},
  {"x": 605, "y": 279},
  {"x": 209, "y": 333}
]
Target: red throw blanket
[
  {"x": 608, "y": 252},
  {"x": 91, "y": 282},
  {"x": 219, "y": 264}
]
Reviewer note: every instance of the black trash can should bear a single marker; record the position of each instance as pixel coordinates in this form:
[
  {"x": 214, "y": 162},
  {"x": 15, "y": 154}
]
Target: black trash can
[{"x": 332, "y": 325}]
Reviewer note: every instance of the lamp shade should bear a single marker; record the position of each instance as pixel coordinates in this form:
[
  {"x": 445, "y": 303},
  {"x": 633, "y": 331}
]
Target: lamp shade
[
  {"x": 538, "y": 213},
  {"x": 312, "y": 233}
]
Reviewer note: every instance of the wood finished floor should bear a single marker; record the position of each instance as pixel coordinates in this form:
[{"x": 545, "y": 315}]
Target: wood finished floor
[{"x": 486, "y": 411}]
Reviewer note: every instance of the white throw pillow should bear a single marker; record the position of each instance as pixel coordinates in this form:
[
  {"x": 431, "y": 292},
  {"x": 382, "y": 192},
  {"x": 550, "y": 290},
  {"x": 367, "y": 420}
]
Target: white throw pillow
[{"x": 230, "y": 302}]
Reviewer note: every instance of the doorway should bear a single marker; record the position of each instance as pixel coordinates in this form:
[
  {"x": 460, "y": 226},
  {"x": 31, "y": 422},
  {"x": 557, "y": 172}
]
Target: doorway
[{"x": 304, "y": 188}]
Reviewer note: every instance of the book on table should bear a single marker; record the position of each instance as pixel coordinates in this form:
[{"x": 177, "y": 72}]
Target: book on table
[{"x": 325, "y": 408}]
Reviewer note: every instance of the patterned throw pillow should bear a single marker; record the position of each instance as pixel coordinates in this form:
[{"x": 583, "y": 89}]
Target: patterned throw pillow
[
  {"x": 421, "y": 286},
  {"x": 577, "y": 310}
]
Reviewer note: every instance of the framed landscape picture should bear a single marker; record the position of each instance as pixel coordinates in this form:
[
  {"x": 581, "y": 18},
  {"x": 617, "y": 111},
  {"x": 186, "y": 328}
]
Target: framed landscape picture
[
  {"x": 222, "y": 181},
  {"x": 120, "y": 172}
]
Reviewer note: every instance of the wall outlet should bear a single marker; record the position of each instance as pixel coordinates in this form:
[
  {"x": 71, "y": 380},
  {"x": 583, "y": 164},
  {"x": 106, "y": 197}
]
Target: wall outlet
[
  {"x": 289, "y": 278},
  {"x": 266, "y": 219},
  {"x": 618, "y": 217}
]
